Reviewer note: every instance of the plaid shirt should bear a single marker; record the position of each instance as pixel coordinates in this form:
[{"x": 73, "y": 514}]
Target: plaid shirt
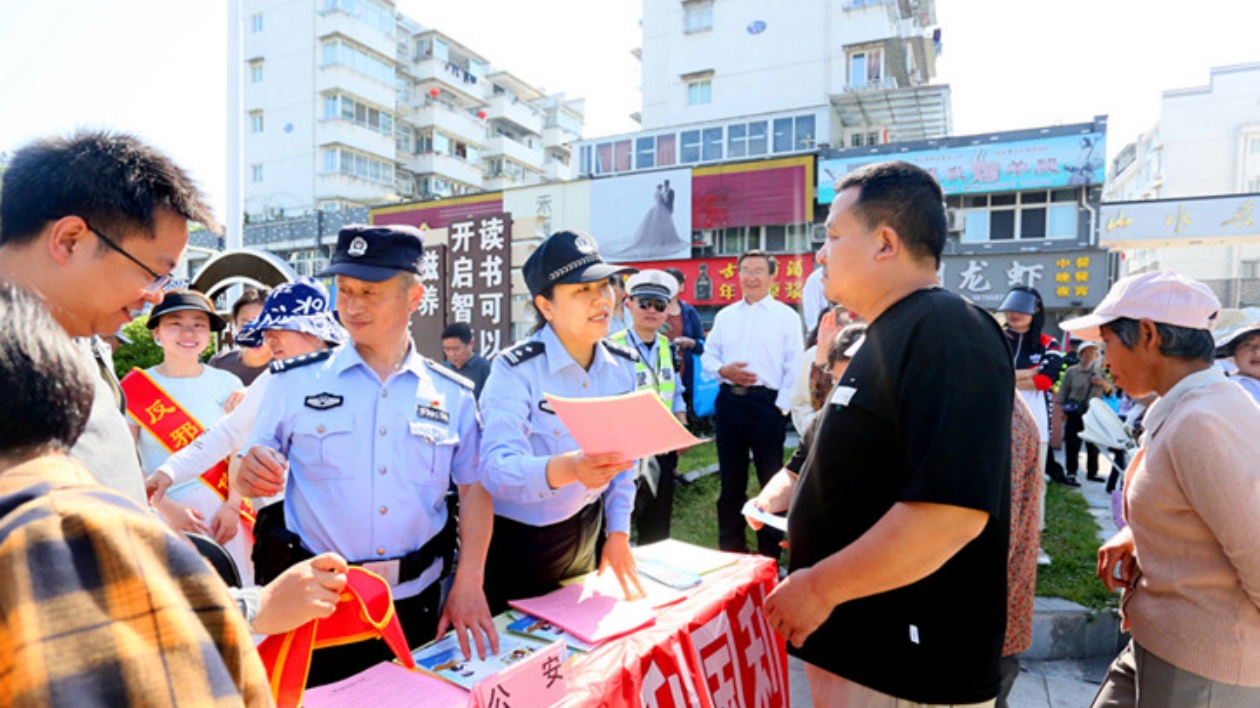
[{"x": 101, "y": 605}]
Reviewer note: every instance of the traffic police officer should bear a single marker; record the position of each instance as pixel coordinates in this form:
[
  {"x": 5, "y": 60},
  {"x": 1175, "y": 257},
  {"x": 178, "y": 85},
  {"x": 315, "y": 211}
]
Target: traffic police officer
[
  {"x": 650, "y": 293},
  {"x": 547, "y": 492},
  {"x": 372, "y": 435}
]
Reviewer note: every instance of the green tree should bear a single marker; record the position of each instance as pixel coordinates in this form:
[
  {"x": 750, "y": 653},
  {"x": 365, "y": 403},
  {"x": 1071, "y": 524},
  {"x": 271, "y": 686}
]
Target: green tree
[{"x": 143, "y": 352}]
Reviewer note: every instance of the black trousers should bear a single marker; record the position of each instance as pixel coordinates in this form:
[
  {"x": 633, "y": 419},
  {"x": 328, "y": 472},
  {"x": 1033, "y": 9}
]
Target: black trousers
[
  {"x": 653, "y": 521},
  {"x": 1072, "y": 444},
  {"x": 746, "y": 423},
  {"x": 528, "y": 561},
  {"x": 419, "y": 617}
]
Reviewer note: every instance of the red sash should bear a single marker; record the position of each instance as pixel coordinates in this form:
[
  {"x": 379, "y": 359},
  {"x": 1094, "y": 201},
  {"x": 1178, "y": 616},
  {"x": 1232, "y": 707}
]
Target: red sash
[
  {"x": 365, "y": 611},
  {"x": 157, "y": 412}
]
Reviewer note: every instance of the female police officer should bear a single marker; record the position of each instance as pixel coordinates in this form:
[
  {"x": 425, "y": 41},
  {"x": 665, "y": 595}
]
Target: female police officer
[{"x": 549, "y": 496}]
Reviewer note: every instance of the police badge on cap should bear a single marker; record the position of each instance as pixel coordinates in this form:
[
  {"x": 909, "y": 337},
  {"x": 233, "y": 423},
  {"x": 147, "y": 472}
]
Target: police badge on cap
[
  {"x": 566, "y": 257},
  {"x": 376, "y": 253}
]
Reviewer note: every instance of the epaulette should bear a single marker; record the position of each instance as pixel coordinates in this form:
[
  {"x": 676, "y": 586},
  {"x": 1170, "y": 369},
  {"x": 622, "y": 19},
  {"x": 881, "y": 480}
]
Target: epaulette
[
  {"x": 453, "y": 376},
  {"x": 282, "y": 365},
  {"x": 523, "y": 352},
  {"x": 621, "y": 350}
]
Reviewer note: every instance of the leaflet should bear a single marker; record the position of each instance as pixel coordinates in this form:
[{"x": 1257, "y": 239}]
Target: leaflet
[{"x": 635, "y": 424}]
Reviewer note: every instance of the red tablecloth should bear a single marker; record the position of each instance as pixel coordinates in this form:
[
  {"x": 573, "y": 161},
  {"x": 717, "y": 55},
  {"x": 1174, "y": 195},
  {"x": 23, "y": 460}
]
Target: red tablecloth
[{"x": 714, "y": 649}]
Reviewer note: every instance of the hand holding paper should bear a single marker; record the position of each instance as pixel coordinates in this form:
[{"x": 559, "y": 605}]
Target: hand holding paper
[
  {"x": 752, "y": 511},
  {"x": 635, "y": 424}
]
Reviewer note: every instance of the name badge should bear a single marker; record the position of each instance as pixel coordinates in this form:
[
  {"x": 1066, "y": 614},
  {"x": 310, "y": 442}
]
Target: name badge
[
  {"x": 433, "y": 413},
  {"x": 842, "y": 395}
]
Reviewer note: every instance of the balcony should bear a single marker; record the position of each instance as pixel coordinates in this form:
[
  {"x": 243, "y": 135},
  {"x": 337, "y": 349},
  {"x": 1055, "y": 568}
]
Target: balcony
[
  {"x": 507, "y": 107},
  {"x": 448, "y": 166},
  {"x": 557, "y": 171},
  {"x": 357, "y": 189},
  {"x": 557, "y": 137},
  {"x": 336, "y": 76},
  {"x": 340, "y": 132},
  {"x": 502, "y": 146},
  {"x": 330, "y": 22},
  {"x": 430, "y": 72},
  {"x": 456, "y": 123},
  {"x": 501, "y": 180}
]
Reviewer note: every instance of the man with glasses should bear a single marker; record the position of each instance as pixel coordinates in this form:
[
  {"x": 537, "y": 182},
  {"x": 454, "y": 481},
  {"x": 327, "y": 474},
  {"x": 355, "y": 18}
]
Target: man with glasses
[
  {"x": 650, "y": 294},
  {"x": 753, "y": 348},
  {"x": 94, "y": 224}
]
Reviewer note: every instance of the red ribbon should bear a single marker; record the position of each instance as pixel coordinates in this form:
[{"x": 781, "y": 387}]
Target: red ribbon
[{"x": 365, "y": 611}]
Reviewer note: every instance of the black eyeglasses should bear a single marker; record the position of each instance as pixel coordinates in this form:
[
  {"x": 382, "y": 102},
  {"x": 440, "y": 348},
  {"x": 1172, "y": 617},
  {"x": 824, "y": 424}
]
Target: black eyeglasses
[
  {"x": 658, "y": 305},
  {"x": 160, "y": 282}
]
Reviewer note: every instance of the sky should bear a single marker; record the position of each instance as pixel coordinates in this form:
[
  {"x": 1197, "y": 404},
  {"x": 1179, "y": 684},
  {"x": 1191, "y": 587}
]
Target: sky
[{"x": 157, "y": 68}]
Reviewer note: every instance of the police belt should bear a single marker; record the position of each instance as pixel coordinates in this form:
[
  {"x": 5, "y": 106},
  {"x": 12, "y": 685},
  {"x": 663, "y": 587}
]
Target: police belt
[
  {"x": 278, "y": 548},
  {"x": 411, "y": 566}
]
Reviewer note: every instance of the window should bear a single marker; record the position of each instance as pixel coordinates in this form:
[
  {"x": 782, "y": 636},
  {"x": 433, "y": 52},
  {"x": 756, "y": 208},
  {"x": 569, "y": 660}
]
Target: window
[
  {"x": 621, "y": 156},
  {"x": 690, "y": 148},
  {"x": 805, "y": 133},
  {"x": 644, "y": 153},
  {"x": 782, "y": 134},
  {"x": 256, "y": 23},
  {"x": 1020, "y": 216},
  {"x": 255, "y": 121},
  {"x": 712, "y": 144},
  {"x": 699, "y": 92},
  {"x": 866, "y": 67},
  {"x": 339, "y": 53},
  {"x": 368, "y": 12},
  {"x": 360, "y": 114},
  {"x": 737, "y": 137},
  {"x": 697, "y": 16},
  {"x": 255, "y": 173},
  {"x": 757, "y": 138},
  {"x": 256, "y": 72},
  {"x": 666, "y": 152},
  {"x": 346, "y": 162}
]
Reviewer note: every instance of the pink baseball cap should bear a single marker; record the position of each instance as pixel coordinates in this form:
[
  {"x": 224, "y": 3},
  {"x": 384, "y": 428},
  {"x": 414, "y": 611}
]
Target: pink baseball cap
[{"x": 1161, "y": 296}]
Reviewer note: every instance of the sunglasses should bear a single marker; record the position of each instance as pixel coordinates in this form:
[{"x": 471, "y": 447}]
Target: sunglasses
[{"x": 658, "y": 305}]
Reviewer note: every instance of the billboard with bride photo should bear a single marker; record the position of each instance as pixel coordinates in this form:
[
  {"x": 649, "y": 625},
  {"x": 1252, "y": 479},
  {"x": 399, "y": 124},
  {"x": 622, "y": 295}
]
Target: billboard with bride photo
[{"x": 643, "y": 217}]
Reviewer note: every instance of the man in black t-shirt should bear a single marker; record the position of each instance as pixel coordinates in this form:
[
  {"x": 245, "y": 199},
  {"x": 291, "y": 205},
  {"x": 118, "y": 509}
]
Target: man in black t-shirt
[{"x": 899, "y": 519}]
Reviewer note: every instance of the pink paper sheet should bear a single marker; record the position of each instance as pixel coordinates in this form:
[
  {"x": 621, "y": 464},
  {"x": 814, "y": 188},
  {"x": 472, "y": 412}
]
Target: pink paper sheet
[
  {"x": 588, "y": 614},
  {"x": 634, "y": 424},
  {"x": 384, "y": 686}
]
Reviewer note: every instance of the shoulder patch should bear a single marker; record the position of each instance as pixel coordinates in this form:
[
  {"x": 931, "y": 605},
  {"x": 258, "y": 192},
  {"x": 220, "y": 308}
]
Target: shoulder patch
[
  {"x": 447, "y": 373},
  {"x": 297, "y": 362},
  {"x": 523, "y": 352},
  {"x": 621, "y": 350}
]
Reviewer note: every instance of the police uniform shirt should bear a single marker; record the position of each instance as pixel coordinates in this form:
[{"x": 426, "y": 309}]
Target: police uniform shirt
[
  {"x": 766, "y": 335},
  {"x": 652, "y": 357},
  {"x": 522, "y": 432},
  {"x": 370, "y": 463}
]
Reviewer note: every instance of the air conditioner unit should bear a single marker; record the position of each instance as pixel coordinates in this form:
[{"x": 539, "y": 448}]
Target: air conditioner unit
[
  {"x": 956, "y": 220},
  {"x": 818, "y": 233},
  {"x": 275, "y": 213}
]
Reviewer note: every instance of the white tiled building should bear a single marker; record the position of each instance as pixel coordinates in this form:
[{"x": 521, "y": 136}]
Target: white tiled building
[
  {"x": 741, "y": 79},
  {"x": 348, "y": 103},
  {"x": 1206, "y": 144}
]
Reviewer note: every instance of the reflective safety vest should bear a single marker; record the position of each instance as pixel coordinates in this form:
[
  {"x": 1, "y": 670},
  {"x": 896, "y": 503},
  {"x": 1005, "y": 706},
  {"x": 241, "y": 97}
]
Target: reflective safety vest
[{"x": 663, "y": 378}]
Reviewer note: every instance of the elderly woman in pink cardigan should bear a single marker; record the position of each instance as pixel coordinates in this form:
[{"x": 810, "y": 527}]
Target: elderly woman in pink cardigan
[{"x": 1189, "y": 560}]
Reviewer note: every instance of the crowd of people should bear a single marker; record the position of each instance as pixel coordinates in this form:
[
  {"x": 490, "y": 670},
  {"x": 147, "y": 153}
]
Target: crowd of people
[{"x": 914, "y": 501}]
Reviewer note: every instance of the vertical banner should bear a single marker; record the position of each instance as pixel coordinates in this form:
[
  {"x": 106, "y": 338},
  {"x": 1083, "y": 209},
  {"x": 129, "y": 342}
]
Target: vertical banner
[
  {"x": 429, "y": 318},
  {"x": 478, "y": 264}
]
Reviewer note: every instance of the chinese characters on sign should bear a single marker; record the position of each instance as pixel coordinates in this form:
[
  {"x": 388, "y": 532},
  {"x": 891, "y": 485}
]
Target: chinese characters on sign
[
  {"x": 478, "y": 263},
  {"x": 1064, "y": 279},
  {"x": 715, "y": 281},
  {"x": 429, "y": 318}
]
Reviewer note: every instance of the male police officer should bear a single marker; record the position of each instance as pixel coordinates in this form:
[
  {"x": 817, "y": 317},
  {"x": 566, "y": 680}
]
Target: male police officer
[
  {"x": 650, "y": 293},
  {"x": 372, "y": 435}
]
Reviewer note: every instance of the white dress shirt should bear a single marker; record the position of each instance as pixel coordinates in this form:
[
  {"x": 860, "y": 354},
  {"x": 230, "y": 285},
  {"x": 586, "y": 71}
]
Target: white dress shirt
[
  {"x": 766, "y": 335},
  {"x": 812, "y": 298}
]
